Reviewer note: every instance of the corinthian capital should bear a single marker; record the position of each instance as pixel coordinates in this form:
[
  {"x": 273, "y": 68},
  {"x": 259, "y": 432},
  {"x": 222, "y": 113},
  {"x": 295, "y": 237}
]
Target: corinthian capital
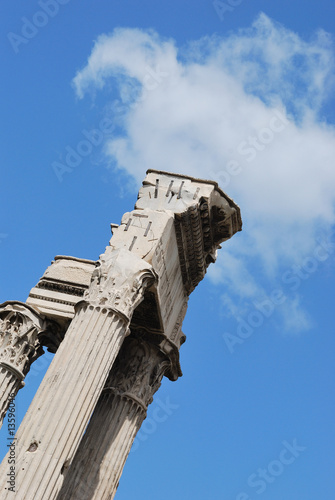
[
  {"x": 119, "y": 280},
  {"x": 22, "y": 332},
  {"x": 138, "y": 371},
  {"x": 20, "y": 327}
]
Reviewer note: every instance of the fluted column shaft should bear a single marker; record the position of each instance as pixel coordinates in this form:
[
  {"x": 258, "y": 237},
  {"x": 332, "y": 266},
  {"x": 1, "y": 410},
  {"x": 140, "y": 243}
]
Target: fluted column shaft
[
  {"x": 49, "y": 434},
  {"x": 10, "y": 383},
  {"x": 59, "y": 414},
  {"x": 121, "y": 409},
  {"x": 102, "y": 454}
]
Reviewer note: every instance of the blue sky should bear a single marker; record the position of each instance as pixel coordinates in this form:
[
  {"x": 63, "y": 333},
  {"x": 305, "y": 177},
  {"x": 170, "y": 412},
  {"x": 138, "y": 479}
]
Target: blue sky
[{"x": 241, "y": 92}]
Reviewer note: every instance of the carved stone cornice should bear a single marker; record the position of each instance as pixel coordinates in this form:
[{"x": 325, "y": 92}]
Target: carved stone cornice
[
  {"x": 47, "y": 284},
  {"x": 204, "y": 217},
  {"x": 61, "y": 287},
  {"x": 199, "y": 231}
]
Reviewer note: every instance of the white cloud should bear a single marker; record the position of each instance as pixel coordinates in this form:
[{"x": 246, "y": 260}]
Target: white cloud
[
  {"x": 295, "y": 317},
  {"x": 250, "y": 102}
]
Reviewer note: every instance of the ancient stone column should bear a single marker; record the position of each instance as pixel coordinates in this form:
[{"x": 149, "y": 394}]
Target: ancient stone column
[
  {"x": 20, "y": 330},
  {"x": 97, "y": 466},
  {"x": 157, "y": 256},
  {"x": 63, "y": 404},
  {"x": 145, "y": 357}
]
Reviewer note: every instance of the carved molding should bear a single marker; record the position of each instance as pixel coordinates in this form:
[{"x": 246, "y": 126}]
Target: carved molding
[
  {"x": 70, "y": 289},
  {"x": 204, "y": 217}
]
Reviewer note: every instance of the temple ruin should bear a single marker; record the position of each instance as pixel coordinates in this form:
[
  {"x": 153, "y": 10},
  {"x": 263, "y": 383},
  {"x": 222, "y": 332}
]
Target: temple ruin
[{"x": 116, "y": 328}]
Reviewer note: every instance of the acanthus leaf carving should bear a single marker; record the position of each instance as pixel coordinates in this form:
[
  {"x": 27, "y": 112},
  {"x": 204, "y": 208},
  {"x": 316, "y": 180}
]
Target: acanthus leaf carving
[
  {"x": 119, "y": 281},
  {"x": 20, "y": 328},
  {"x": 138, "y": 370}
]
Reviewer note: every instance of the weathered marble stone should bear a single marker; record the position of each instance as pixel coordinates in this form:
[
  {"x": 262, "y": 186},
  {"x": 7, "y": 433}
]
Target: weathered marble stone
[
  {"x": 22, "y": 331},
  {"x": 97, "y": 466},
  {"x": 139, "y": 287},
  {"x": 62, "y": 285}
]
